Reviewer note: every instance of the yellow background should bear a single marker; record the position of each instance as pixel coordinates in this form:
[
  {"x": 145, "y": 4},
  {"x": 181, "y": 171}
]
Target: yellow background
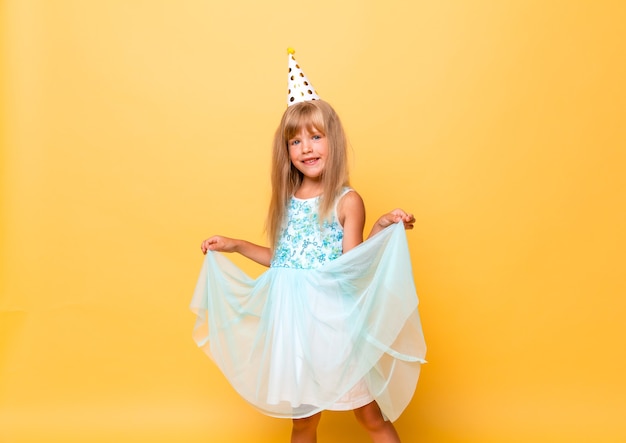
[{"x": 133, "y": 129}]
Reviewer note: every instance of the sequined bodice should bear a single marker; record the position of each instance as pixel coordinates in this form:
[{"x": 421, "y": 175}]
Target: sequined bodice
[{"x": 304, "y": 242}]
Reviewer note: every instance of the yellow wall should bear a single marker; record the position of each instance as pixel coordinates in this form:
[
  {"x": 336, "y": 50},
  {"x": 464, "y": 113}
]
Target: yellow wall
[{"x": 133, "y": 129}]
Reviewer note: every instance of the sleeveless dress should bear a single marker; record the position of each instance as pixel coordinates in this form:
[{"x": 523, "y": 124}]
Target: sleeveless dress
[{"x": 319, "y": 330}]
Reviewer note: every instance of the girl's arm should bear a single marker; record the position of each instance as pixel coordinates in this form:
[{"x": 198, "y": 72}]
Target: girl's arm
[
  {"x": 257, "y": 253},
  {"x": 351, "y": 213},
  {"x": 390, "y": 218}
]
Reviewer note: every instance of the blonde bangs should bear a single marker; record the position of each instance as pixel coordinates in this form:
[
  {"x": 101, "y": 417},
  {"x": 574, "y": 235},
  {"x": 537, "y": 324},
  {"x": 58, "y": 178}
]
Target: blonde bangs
[{"x": 307, "y": 117}]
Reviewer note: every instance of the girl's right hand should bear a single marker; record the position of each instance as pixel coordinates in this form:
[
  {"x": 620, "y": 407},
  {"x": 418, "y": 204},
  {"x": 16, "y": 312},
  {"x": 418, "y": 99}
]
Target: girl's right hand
[{"x": 219, "y": 243}]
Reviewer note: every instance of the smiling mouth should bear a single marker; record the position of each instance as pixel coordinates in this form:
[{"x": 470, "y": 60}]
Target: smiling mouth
[{"x": 310, "y": 161}]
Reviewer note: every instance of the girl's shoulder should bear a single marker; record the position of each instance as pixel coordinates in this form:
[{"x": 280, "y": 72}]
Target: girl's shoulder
[{"x": 345, "y": 190}]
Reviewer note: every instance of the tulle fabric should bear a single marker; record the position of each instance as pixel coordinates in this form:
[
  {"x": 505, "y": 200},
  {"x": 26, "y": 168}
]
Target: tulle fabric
[{"x": 294, "y": 342}]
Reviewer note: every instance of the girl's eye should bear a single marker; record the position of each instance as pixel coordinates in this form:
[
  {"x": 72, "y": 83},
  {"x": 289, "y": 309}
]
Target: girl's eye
[
  {"x": 294, "y": 142},
  {"x": 317, "y": 137}
]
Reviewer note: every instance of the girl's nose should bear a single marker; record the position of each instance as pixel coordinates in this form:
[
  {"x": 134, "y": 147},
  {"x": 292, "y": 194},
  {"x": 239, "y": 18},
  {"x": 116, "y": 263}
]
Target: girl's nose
[{"x": 306, "y": 146}]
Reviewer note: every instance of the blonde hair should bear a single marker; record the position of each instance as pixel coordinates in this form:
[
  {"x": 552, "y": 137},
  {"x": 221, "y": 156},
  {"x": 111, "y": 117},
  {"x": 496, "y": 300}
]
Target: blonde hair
[{"x": 318, "y": 115}]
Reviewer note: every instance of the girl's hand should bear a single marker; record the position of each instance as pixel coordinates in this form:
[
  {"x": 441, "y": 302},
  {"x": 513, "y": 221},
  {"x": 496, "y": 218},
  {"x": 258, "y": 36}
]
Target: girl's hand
[
  {"x": 219, "y": 243},
  {"x": 395, "y": 216}
]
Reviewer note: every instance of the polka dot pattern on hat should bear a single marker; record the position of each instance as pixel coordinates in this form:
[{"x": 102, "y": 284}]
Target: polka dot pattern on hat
[{"x": 300, "y": 89}]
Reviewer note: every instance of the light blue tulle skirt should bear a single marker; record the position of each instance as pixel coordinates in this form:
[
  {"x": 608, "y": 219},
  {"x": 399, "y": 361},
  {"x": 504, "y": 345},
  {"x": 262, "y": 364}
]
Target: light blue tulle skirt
[{"x": 294, "y": 342}]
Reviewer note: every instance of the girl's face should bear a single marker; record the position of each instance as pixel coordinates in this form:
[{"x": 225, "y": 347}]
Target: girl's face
[{"x": 308, "y": 152}]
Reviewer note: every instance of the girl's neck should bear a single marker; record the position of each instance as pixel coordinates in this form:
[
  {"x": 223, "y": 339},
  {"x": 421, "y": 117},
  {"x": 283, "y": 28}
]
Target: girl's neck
[{"x": 309, "y": 190}]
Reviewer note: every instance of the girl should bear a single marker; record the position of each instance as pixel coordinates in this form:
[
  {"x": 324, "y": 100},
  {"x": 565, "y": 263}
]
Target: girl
[{"x": 333, "y": 323}]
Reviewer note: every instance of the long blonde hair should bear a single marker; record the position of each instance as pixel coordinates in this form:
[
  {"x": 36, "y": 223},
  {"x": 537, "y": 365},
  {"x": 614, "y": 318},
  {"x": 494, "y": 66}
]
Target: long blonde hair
[{"x": 318, "y": 115}]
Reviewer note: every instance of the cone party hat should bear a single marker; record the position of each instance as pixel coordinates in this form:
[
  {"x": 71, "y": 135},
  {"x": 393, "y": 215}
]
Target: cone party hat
[{"x": 300, "y": 88}]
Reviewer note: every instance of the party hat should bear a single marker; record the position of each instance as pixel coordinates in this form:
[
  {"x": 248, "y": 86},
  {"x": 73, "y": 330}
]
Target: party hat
[{"x": 300, "y": 88}]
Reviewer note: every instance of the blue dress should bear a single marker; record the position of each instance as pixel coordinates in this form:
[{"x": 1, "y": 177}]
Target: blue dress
[{"x": 319, "y": 330}]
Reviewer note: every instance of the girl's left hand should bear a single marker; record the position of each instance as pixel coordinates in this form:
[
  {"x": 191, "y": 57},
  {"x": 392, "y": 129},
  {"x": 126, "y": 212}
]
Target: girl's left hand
[{"x": 396, "y": 216}]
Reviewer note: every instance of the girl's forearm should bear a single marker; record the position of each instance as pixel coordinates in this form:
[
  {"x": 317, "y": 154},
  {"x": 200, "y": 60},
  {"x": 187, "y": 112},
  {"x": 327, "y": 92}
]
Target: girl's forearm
[
  {"x": 375, "y": 229},
  {"x": 260, "y": 254}
]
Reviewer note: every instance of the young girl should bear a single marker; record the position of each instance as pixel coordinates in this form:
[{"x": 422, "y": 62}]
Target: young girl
[{"x": 333, "y": 323}]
